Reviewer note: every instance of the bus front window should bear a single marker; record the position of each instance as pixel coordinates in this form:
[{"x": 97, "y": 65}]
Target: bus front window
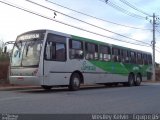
[
  {"x": 26, "y": 53},
  {"x": 31, "y": 53},
  {"x": 17, "y": 54},
  {"x": 27, "y": 49}
]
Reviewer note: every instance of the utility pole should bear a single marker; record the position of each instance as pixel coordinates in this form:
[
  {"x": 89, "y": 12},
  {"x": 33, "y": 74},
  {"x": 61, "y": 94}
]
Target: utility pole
[{"x": 153, "y": 47}]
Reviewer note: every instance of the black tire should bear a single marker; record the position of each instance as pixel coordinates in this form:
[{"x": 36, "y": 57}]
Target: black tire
[
  {"x": 125, "y": 84},
  {"x": 75, "y": 81},
  {"x": 116, "y": 84},
  {"x": 131, "y": 80},
  {"x": 138, "y": 80},
  {"x": 111, "y": 84},
  {"x": 45, "y": 87}
]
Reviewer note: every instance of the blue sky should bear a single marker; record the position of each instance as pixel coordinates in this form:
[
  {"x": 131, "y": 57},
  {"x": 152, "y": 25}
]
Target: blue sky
[{"x": 14, "y": 22}]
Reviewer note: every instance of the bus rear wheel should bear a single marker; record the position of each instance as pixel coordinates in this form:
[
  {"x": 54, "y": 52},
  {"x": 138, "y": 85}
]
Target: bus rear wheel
[
  {"x": 45, "y": 87},
  {"x": 74, "y": 82},
  {"x": 131, "y": 80},
  {"x": 138, "y": 80}
]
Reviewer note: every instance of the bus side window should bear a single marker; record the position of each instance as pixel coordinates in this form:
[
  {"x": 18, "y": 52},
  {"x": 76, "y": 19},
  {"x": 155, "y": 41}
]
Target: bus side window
[
  {"x": 116, "y": 55},
  {"x": 150, "y": 59},
  {"x": 125, "y": 56},
  {"x": 91, "y": 51},
  {"x": 139, "y": 58},
  {"x": 133, "y": 57},
  {"x": 104, "y": 53},
  {"x": 76, "y": 49},
  {"x": 145, "y": 59}
]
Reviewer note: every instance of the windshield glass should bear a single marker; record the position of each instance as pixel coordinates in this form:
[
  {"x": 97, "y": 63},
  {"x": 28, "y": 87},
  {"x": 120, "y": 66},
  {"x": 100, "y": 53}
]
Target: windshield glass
[
  {"x": 31, "y": 53},
  {"x": 17, "y": 54},
  {"x": 27, "y": 49}
]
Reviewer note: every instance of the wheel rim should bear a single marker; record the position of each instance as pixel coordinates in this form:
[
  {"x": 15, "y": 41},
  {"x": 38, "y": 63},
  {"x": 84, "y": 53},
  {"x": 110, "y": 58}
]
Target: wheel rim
[
  {"x": 131, "y": 81},
  {"x": 76, "y": 82},
  {"x": 138, "y": 80}
]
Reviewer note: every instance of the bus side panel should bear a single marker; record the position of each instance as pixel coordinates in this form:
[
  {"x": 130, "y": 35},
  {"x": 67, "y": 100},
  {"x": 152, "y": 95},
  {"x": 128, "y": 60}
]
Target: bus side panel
[
  {"x": 112, "y": 71},
  {"x": 109, "y": 77},
  {"x": 56, "y": 73}
]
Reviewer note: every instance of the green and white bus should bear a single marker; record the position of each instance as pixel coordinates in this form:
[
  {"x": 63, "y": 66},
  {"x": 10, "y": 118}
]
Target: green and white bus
[{"x": 48, "y": 58}]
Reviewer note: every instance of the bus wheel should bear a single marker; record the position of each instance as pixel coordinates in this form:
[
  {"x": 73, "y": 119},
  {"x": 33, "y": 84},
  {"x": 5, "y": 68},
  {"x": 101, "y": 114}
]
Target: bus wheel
[
  {"x": 131, "y": 80},
  {"x": 138, "y": 80},
  {"x": 46, "y": 87},
  {"x": 74, "y": 82}
]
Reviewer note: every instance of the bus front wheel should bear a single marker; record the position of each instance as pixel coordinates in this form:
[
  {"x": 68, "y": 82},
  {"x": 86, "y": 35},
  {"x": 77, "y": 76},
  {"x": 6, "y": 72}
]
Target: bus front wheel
[{"x": 75, "y": 82}]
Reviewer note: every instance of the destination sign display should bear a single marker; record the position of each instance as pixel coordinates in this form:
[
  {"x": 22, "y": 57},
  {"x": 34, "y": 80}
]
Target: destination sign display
[{"x": 29, "y": 36}]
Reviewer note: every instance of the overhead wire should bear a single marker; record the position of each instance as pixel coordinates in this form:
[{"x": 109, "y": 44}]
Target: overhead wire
[
  {"x": 135, "y": 8},
  {"x": 94, "y": 16},
  {"x": 157, "y": 47},
  {"x": 130, "y": 5},
  {"x": 38, "y": 14},
  {"x": 157, "y": 30},
  {"x": 157, "y": 50},
  {"x": 87, "y": 22},
  {"x": 120, "y": 9}
]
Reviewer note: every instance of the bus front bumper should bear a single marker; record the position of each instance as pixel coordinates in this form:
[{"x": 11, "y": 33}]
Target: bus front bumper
[{"x": 25, "y": 80}]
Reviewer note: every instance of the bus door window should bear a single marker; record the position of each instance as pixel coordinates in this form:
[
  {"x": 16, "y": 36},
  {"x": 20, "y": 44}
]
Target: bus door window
[
  {"x": 76, "y": 49},
  {"x": 104, "y": 53},
  {"x": 55, "y": 48},
  {"x": 91, "y": 51},
  {"x": 60, "y": 52},
  {"x": 55, "y": 51}
]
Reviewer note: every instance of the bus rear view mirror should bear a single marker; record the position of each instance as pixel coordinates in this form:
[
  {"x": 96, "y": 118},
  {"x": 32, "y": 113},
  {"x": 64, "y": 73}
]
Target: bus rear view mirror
[{"x": 5, "y": 50}]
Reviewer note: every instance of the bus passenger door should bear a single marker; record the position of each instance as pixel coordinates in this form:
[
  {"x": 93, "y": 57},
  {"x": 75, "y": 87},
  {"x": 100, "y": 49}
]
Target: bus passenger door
[{"x": 55, "y": 61}]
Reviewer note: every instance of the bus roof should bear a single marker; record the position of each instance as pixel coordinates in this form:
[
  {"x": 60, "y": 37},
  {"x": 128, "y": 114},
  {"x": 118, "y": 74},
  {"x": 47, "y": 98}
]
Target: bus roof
[{"x": 84, "y": 39}]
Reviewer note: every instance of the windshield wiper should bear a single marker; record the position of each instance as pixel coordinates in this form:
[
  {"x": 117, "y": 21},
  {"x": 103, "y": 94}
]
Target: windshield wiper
[{"x": 16, "y": 44}]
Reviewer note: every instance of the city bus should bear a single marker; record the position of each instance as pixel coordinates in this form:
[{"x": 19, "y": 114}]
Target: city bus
[{"x": 49, "y": 58}]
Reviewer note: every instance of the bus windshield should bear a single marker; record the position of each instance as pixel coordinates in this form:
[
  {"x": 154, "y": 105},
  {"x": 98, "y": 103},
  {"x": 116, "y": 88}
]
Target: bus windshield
[{"x": 26, "y": 53}]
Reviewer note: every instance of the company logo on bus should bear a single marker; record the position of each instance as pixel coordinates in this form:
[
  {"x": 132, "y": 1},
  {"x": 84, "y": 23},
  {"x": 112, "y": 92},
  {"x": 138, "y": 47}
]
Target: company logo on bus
[
  {"x": 29, "y": 36},
  {"x": 88, "y": 67}
]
